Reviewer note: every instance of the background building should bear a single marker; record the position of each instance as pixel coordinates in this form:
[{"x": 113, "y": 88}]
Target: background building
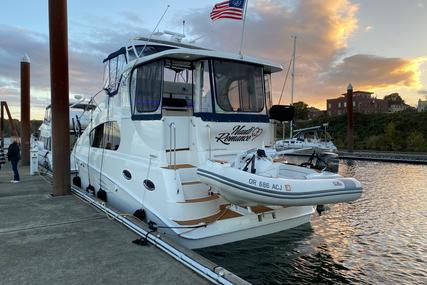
[
  {"x": 396, "y": 103},
  {"x": 422, "y": 105},
  {"x": 363, "y": 102}
]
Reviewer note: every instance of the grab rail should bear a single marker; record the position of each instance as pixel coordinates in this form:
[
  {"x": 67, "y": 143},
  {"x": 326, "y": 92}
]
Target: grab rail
[
  {"x": 210, "y": 144},
  {"x": 172, "y": 126}
]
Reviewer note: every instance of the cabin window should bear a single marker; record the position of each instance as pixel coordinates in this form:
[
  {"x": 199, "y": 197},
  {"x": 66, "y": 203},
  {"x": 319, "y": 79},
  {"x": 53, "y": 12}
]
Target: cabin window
[
  {"x": 106, "y": 74},
  {"x": 111, "y": 136},
  {"x": 113, "y": 75},
  {"x": 267, "y": 87},
  {"x": 202, "y": 88},
  {"x": 121, "y": 62},
  {"x": 146, "y": 87},
  {"x": 96, "y": 136},
  {"x": 177, "y": 85},
  {"x": 106, "y": 135},
  {"x": 239, "y": 86}
]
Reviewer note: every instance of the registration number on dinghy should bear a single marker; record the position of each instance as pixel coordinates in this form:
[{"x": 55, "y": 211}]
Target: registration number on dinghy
[{"x": 267, "y": 185}]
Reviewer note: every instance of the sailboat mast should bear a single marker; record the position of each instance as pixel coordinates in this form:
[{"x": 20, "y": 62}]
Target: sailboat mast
[{"x": 293, "y": 79}]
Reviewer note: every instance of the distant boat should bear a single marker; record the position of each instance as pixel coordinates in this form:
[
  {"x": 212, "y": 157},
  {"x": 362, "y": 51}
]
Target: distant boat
[
  {"x": 308, "y": 140},
  {"x": 79, "y": 119}
]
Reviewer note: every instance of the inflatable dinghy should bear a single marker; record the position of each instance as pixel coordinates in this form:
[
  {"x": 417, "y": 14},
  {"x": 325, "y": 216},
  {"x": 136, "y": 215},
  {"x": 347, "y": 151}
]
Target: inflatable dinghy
[{"x": 256, "y": 179}]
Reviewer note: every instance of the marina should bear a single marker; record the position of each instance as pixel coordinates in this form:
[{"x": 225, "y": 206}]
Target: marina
[{"x": 163, "y": 145}]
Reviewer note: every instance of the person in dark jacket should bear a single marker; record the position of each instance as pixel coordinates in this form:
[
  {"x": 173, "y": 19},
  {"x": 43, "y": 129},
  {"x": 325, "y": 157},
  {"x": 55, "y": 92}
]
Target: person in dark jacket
[{"x": 14, "y": 156}]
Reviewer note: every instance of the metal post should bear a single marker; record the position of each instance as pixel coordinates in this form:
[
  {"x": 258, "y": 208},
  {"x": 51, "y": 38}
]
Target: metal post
[
  {"x": 25, "y": 110},
  {"x": 350, "y": 138},
  {"x": 58, "y": 40}
]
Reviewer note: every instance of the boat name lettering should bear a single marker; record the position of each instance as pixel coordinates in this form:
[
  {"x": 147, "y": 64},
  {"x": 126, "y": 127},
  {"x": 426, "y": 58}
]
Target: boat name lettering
[
  {"x": 337, "y": 183},
  {"x": 239, "y": 134}
]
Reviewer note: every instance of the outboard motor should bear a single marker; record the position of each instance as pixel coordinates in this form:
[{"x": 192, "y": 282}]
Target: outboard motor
[{"x": 328, "y": 161}]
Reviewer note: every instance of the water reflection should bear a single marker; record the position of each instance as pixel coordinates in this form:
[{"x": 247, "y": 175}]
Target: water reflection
[{"x": 381, "y": 238}]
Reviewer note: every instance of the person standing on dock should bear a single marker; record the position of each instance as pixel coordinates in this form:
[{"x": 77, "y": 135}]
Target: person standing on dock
[{"x": 14, "y": 156}]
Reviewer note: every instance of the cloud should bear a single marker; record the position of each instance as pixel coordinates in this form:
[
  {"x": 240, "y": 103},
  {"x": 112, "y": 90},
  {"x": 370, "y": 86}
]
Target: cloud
[
  {"x": 322, "y": 29},
  {"x": 87, "y": 49},
  {"x": 374, "y": 72},
  {"x": 368, "y": 28},
  {"x": 323, "y": 68}
]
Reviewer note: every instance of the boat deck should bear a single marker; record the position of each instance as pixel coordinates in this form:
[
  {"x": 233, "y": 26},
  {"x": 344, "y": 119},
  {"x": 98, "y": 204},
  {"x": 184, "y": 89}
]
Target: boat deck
[{"x": 62, "y": 240}]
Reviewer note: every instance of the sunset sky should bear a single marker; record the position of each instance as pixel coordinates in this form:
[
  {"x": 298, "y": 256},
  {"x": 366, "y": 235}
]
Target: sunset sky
[{"x": 377, "y": 45}]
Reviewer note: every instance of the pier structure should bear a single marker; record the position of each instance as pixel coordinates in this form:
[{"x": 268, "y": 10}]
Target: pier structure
[
  {"x": 46, "y": 239},
  {"x": 25, "y": 111}
]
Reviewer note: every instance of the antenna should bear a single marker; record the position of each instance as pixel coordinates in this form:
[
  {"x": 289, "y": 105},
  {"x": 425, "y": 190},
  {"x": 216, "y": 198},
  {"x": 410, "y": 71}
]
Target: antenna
[{"x": 151, "y": 35}]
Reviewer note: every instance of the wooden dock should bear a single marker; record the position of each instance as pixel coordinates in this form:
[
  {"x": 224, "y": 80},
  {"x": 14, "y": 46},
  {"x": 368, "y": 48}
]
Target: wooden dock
[
  {"x": 63, "y": 240},
  {"x": 396, "y": 157}
]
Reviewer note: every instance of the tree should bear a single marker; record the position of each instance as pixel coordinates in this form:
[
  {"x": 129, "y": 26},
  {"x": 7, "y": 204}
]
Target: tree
[
  {"x": 416, "y": 142},
  {"x": 391, "y": 139},
  {"x": 301, "y": 110}
]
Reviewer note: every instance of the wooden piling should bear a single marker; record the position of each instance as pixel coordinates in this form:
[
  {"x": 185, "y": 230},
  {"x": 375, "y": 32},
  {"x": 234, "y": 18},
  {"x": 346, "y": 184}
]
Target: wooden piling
[
  {"x": 350, "y": 139},
  {"x": 58, "y": 39},
  {"x": 25, "y": 111}
]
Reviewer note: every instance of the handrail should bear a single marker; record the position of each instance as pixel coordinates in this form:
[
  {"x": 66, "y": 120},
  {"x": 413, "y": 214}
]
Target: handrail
[
  {"x": 172, "y": 126},
  {"x": 210, "y": 144}
]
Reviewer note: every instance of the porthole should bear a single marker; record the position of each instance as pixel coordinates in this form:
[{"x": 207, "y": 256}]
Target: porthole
[
  {"x": 127, "y": 175},
  {"x": 149, "y": 185}
]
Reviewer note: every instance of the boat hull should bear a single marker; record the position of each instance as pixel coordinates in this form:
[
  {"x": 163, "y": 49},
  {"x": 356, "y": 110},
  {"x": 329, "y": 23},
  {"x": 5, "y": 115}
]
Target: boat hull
[{"x": 246, "y": 189}]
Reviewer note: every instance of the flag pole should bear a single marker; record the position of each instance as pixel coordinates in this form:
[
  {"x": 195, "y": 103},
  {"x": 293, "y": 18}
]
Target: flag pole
[{"x": 243, "y": 29}]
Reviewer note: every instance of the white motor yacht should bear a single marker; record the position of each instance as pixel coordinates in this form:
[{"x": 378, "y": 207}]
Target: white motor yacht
[
  {"x": 176, "y": 119},
  {"x": 309, "y": 139},
  {"x": 79, "y": 118}
]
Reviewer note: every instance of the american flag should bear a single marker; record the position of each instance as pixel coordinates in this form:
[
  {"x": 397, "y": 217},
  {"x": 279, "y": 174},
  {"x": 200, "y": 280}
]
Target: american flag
[{"x": 232, "y": 9}]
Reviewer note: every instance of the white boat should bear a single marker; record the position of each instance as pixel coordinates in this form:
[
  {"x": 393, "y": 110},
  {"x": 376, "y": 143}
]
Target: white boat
[
  {"x": 171, "y": 108},
  {"x": 308, "y": 140},
  {"x": 79, "y": 119},
  {"x": 255, "y": 179}
]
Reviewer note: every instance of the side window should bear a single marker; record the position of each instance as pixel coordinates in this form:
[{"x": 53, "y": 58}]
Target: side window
[
  {"x": 96, "y": 136},
  {"x": 106, "y": 74},
  {"x": 106, "y": 136},
  {"x": 202, "y": 88},
  {"x": 146, "y": 85},
  {"x": 113, "y": 75},
  {"x": 111, "y": 136},
  {"x": 267, "y": 87}
]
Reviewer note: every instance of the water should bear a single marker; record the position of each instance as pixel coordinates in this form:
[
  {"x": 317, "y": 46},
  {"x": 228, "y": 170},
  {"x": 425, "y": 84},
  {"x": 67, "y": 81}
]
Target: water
[{"x": 379, "y": 239}]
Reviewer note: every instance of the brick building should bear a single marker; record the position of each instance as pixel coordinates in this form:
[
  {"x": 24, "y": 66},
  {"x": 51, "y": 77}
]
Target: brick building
[{"x": 363, "y": 102}]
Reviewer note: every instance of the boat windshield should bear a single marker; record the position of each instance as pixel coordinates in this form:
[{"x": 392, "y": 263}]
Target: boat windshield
[
  {"x": 239, "y": 87},
  {"x": 181, "y": 88}
]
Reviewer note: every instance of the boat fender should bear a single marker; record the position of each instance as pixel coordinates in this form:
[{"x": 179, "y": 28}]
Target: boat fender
[
  {"x": 102, "y": 195},
  {"x": 320, "y": 209},
  {"x": 77, "y": 181},
  {"x": 140, "y": 214},
  {"x": 90, "y": 189}
]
